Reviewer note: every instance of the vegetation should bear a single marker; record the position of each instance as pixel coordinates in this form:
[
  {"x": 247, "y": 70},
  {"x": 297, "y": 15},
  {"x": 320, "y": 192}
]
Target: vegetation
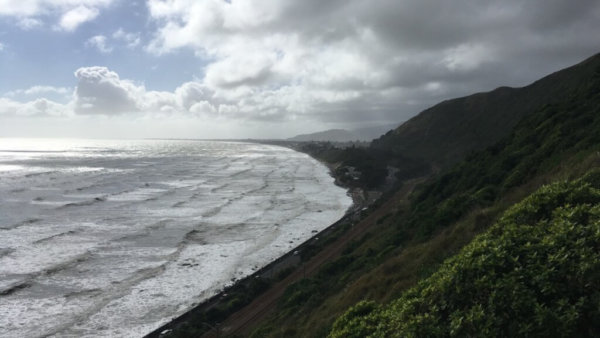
[
  {"x": 536, "y": 145},
  {"x": 557, "y": 137},
  {"x": 468, "y": 253},
  {"x": 371, "y": 164},
  {"x": 372, "y": 170},
  {"x": 202, "y": 320},
  {"x": 535, "y": 273},
  {"x": 445, "y": 133}
]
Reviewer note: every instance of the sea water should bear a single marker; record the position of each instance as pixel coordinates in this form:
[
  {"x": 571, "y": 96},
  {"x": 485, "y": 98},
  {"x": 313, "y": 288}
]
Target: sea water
[{"x": 115, "y": 238}]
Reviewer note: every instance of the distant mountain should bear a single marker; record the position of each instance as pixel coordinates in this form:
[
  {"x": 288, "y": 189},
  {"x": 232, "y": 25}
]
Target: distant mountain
[
  {"x": 332, "y": 135},
  {"x": 342, "y": 135},
  {"x": 446, "y": 132}
]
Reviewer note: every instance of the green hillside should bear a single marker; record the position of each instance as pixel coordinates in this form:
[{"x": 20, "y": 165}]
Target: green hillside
[
  {"x": 446, "y": 132},
  {"x": 536, "y": 272},
  {"x": 555, "y": 135}
]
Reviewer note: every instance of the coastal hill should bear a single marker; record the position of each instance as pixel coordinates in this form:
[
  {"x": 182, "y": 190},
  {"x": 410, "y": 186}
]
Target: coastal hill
[
  {"x": 500, "y": 237},
  {"x": 330, "y": 135},
  {"x": 446, "y": 132},
  {"x": 534, "y": 273},
  {"x": 550, "y": 134}
]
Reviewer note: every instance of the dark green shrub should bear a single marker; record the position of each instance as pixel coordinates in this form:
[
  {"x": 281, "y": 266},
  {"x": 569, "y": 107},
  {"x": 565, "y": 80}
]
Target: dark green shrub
[{"x": 535, "y": 273}]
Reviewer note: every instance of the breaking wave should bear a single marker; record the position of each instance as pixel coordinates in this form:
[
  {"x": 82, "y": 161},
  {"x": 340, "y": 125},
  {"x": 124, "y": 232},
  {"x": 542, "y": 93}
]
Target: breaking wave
[{"x": 114, "y": 238}]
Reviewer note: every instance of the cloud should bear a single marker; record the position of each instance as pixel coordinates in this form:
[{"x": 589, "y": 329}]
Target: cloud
[
  {"x": 203, "y": 108},
  {"x": 77, "y": 16},
  {"x": 465, "y": 57},
  {"x": 40, "y": 90},
  {"x": 37, "y": 107},
  {"x": 70, "y": 14},
  {"x": 340, "y": 60},
  {"x": 99, "y": 42},
  {"x": 1, "y": 46},
  {"x": 336, "y": 63},
  {"x": 8, "y": 107},
  {"x": 191, "y": 93},
  {"x": 30, "y": 8},
  {"x": 119, "y": 37},
  {"x": 101, "y": 91},
  {"x": 29, "y": 23},
  {"x": 240, "y": 69},
  {"x": 19, "y": 8},
  {"x": 131, "y": 40}
]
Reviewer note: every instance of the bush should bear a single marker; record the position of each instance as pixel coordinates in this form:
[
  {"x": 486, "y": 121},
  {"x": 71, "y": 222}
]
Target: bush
[{"x": 536, "y": 272}]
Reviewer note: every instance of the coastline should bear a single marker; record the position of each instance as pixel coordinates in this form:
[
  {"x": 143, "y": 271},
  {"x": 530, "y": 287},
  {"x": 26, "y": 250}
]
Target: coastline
[{"x": 284, "y": 264}]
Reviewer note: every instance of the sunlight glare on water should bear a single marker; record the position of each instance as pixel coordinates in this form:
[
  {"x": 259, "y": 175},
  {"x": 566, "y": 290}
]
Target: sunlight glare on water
[{"x": 114, "y": 237}]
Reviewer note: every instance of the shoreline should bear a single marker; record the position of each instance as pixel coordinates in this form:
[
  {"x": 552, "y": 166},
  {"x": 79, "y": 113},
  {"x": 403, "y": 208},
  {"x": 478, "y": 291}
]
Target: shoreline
[{"x": 285, "y": 262}]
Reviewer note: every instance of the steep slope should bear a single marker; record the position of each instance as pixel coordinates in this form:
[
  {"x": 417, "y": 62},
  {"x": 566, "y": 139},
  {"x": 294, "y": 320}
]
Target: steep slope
[
  {"x": 553, "y": 141},
  {"x": 446, "y": 132},
  {"x": 534, "y": 273}
]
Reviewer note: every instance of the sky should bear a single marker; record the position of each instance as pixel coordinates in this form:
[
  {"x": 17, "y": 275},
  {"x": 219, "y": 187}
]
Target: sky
[{"x": 268, "y": 68}]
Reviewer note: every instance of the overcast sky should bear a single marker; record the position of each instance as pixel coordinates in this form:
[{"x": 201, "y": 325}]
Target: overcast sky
[{"x": 267, "y": 68}]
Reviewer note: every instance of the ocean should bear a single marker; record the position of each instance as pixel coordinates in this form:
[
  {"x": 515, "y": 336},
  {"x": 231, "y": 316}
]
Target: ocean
[{"x": 113, "y": 238}]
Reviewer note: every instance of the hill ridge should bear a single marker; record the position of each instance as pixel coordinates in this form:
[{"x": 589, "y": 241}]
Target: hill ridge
[{"x": 447, "y": 131}]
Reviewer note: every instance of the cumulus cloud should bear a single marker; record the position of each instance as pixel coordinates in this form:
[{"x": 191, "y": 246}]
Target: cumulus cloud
[
  {"x": 1, "y": 46},
  {"x": 191, "y": 93},
  {"x": 203, "y": 108},
  {"x": 341, "y": 60},
  {"x": 336, "y": 63},
  {"x": 101, "y": 91}
]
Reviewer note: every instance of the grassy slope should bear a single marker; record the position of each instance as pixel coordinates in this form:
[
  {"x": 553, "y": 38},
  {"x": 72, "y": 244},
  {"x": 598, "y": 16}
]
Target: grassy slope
[
  {"x": 446, "y": 132},
  {"x": 555, "y": 140},
  {"x": 534, "y": 273}
]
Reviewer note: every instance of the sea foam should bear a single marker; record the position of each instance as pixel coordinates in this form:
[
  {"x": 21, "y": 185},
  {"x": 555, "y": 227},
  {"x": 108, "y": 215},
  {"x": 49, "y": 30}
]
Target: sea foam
[{"x": 115, "y": 238}]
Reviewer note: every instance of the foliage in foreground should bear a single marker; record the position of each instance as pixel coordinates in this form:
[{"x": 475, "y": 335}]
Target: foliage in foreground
[{"x": 534, "y": 273}]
